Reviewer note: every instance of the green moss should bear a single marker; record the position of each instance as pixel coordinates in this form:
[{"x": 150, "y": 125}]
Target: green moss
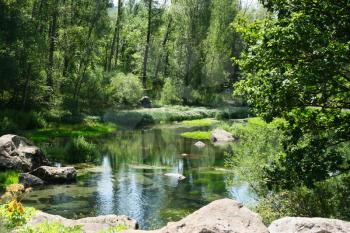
[
  {"x": 200, "y": 135},
  {"x": 86, "y": 129},
  {"x": 7, "y": 178},
  {"x": 200, "y": 122}
]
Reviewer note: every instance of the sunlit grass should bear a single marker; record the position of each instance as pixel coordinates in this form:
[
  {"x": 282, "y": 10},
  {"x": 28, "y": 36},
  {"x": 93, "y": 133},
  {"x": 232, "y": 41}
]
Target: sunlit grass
[
  {"x": 86, "y": 129},
  {"x": 199, "y": 135},
  {"x": 200, "y": 122}
]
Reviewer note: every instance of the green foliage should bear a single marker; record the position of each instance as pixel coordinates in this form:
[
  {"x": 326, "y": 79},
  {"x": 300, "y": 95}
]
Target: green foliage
[
  {"x": 233, "y": 113},
  {"x": 296, "y": 66},
  {"x": 8, "y": 178},
  {"x": 14, "y": 214},
  {"x": 79, "y": 150},
  {"x": 258, "y": 144},
  {"x": 199, "y": 135},
  {"x": 126, "y": 90},
  {"x": 50, "y": 227},
  {"x": 200, "y": 122},
  {"x": 328, "y": 199},
  {"x": 172, "y": 92},
  {"x": 12, "y": 121}
]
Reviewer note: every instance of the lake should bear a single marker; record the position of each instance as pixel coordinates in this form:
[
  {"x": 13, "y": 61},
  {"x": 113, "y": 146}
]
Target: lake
[{"x": 128, "y": 178}]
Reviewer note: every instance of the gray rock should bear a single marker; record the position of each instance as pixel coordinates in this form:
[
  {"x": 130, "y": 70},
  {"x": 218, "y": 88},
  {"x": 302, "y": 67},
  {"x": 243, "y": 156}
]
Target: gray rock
[
  {"x": 29, "y": 180},
  {"x": 55, "y": 175},
  {"x": 309, "y": 225},
  {"x": 220, "y": 136},
  {"x": 146, "y": 102},
  {"x": 222, "y": 216},
  {"x": 200, "y": 144},
  {"x": 175, "y": 175},
  {"x": 19, "y": 153},
  {"x": 89, "y": 225}
]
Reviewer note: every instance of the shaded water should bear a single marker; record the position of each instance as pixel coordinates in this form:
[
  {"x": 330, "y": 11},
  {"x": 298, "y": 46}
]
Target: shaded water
[{"x": 128, "y": 179}]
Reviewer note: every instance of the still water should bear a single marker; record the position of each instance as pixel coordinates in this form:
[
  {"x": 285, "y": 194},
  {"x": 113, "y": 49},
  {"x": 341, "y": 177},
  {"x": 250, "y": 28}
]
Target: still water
[{"x": 128, "y": 179}]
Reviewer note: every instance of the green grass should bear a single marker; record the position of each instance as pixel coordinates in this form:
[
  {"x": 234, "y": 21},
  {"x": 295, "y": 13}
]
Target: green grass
[
  {"x": 142, "y": 117},
  {"x": 86, "y": 129},
  {"x": 7, "y": 178},
  {"x": 200, "y": 122},
  {"x": 199, "y": 135}
]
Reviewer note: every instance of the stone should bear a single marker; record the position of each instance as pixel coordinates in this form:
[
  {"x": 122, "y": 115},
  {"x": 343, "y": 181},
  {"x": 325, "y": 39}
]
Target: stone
[
  {"x": 55, "y": 175},
  {"x": 18, "y": 153},
  {"x": 221, "y": 216},
  {"x": 89, "y": 225},
  {"x": 200, "y": 144},
  {"x": 175, "y": 175},
  {"x": 220, "y": 136},
  {"x": 146, "y": 102},
  {"x": 309, "y": 225},
  {"x": 29, "y": 180}
]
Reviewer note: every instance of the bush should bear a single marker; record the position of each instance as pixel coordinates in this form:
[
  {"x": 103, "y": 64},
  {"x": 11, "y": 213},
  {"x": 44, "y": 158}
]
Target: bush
[
  {"x": 79, "y": 150},
  {"x": 12, "y": 121},
  {"x": 172, "y": 92},
  {"x": 126, "y": 90},
  {"x": 8, "y": 178}
]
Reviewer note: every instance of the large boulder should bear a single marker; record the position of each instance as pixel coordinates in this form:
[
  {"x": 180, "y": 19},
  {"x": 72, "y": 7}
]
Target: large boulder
[
  {"x": 222, "y": 216},
  {"x": 89, "y": 225},
  {"x": 220, "y": 136},
  {"x": 55, "y": 175},
  {"x": 29, "y": 180},
  {"x": 309, "y": 225},
  {"x": 18, "y": 153}
]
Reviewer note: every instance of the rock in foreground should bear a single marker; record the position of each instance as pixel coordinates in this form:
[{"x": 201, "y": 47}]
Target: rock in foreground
[
  {"x": 20, "y": 154},
  {"x": 29, "y": 180},
  {"x": 222, "y": 216},
  {"x": 309, "y": 225},
  {"x": 89, "y": 225},
  {"x": 55, "y": 175}
]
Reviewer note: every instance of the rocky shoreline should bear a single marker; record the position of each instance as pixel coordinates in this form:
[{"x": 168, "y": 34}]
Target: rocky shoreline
[{"x": 221, "y": 216}]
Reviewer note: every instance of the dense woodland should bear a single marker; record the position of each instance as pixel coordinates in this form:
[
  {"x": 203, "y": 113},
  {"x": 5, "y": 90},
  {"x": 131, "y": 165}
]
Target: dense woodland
[
  {"x": 87, "y": 56},
  {"x": 288, "y": 60}
]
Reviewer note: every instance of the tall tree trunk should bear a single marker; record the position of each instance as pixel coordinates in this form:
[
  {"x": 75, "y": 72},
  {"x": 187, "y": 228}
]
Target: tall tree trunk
[
  {"x": 165, "y": 40},
  {"x": 52, "y": 39},
  {"x": 116, "y": 36},
  {"x": 26, "y": 87},
  {"x": 148, "y": 39}
]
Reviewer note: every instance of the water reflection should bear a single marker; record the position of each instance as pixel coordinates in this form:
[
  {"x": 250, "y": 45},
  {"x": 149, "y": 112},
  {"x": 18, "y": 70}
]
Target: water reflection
[
  {"x": 105, "y": 192},
  {"x": 129, "y": 180}
]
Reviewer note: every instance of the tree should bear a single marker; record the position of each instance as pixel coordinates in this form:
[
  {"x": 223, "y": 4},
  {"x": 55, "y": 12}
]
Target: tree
[{"x": 296, "y": 65}]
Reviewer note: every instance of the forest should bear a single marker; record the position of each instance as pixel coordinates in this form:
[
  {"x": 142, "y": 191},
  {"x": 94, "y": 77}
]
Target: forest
[{"x": 134, "y": 89}]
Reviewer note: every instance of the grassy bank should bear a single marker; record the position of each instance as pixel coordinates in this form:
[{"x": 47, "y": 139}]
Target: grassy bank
[
  {"x": 142, "y": 117},
  {"x": 85, "y": 129}
]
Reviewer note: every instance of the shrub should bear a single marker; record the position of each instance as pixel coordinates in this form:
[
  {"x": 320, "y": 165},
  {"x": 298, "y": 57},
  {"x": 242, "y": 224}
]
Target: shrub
[
  {"x": 172, "y": 92},
  {"x": 8, "y": 178},
  {"x": 79, "y": 150},
  {"x": 126, "y": 90},
  {"x": 12, "y": 121}
]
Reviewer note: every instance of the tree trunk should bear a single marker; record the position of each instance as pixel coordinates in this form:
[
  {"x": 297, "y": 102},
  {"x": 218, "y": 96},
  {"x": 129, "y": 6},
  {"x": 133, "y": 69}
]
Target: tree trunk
[
  {"x": 148, "y": 39},
  {"x": 26, "y": 87},
  {"x": 116, "y": 36},
  {"x": 165, "y": 40},
  {"x": 50, "y": 68}
]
